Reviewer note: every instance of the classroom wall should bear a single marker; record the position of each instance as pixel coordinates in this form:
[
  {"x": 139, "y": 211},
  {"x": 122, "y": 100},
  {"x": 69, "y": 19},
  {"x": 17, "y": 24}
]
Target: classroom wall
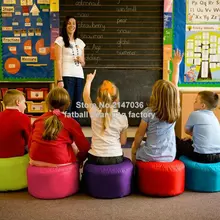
[{"x": 187, "y": 99}]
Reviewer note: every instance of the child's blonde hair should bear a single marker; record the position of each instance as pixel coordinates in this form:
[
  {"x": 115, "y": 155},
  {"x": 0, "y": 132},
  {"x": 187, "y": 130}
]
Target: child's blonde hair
[
  {"x": 57, "y": 100},
  {"x": 210, "y": 99},
  {"x": 107, "y": 94},
  {"x": 11, "y": 96},
  {"x": 164, "y": 101}
]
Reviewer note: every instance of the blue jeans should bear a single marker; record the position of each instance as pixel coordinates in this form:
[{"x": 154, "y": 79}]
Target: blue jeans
[{"x": 74, "y": 87}]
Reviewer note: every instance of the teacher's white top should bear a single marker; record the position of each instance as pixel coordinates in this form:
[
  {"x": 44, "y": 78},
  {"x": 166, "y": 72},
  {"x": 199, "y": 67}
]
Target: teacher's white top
[{"x": 69, "y": 67}]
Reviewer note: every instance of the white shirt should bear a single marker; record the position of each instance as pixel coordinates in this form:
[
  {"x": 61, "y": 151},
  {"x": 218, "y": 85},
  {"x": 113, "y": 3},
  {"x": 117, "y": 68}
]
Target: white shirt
[
  {"x": 68, "y": 55},
  {"x": 107, "y": 143}
]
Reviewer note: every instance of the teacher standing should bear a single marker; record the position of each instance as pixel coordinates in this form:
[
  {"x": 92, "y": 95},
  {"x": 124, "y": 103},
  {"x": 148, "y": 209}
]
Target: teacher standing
[{"x": 69, "y": 53}]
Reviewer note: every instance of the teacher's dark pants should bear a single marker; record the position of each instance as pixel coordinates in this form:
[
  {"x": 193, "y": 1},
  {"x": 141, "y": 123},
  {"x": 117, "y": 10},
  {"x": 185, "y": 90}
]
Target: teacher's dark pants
[{"x": 74, "y": 87}]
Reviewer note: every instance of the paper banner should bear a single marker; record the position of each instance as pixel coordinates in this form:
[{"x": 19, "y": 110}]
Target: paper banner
[
  {"x": 54, "y": 5},
  {"x": 167, "y": 37},
  {"x": 54, "y": 34},
  {"x": 168, "y": 5}
]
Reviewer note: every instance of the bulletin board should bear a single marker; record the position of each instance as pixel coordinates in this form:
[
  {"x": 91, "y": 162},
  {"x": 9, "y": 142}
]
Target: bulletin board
[
  {"x": 28, "y": 29},
  {"x": 193, "y": 26}
]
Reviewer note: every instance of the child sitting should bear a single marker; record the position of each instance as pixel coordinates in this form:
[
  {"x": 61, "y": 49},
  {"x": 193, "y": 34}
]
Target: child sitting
[
  {"x": 158, "y": 121},
  {"x": 15, "y": 126},
  {"x": 109, "y": 127},
  {"x": 204, "y": 128},
  {"x": 53, "y": 134}
]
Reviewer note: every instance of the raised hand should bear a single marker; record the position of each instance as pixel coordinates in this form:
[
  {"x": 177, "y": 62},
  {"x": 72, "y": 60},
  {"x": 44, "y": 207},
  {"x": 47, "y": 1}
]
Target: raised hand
[
  {"x": 60, "y": 84},
  {"x": 177, "y": 58},
  {"x": 90, "y": 76}
]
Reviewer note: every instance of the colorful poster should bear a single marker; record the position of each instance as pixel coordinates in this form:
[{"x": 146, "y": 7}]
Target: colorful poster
[
  {"x": 195, "y": 30},
  {"x": 26, "y": 41},
  {"x": 168, "y": 6},
  {"x": 54, "y": 5},
  {"x": 202, "y": 53},
  {"x": 167, "y": 37},
  {"x": 167, "y": 20}
]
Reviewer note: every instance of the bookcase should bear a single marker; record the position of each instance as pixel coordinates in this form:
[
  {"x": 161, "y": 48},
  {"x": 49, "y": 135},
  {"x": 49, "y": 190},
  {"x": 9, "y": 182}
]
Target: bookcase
[{"x": 35, "y": 94}]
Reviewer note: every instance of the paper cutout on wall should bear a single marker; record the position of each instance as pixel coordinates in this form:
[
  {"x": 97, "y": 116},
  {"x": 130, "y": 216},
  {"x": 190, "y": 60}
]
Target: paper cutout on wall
[
  {"x": 26, "y": 41},
  {"x": 12, "y": 65}
]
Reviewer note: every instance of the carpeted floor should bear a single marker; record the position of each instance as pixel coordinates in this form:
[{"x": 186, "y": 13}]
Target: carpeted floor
[{"x": 189, "y": 205}]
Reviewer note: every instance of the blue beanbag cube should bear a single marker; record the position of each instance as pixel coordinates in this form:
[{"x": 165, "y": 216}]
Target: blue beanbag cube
[{"x": 202, "y": 177}]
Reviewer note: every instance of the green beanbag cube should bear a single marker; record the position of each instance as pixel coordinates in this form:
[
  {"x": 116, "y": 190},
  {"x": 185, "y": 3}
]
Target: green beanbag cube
[{"x": 13, "y": 173}]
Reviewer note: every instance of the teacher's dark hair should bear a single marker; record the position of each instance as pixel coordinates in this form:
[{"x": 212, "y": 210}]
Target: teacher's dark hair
[{"x": 64, "y": 32}]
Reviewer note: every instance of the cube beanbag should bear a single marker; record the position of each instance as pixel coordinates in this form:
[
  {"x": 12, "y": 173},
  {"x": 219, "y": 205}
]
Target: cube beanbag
[{"x": 13, "y": 173}]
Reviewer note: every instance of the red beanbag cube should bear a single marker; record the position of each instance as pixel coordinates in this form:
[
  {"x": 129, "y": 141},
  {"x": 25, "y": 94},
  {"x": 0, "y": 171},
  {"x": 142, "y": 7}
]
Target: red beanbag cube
[{"x": 161, "y": 178}]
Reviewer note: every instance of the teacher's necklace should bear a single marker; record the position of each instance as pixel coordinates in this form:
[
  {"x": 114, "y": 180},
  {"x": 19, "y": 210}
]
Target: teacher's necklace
[{"x": 77, "y": 52}]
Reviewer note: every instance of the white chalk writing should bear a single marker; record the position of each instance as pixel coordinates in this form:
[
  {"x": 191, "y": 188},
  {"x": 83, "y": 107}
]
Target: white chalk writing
[
  {"x": 122, "y": 41},
  {"x": 96, "y": 48},
  {"x": 91, "y": 25},
  {"x": 123, "y": 31},
  {"x": 127, "y": 9},
  {"x": 88, "y": 3},
  {"x": 93, "y": 58},
  {"x": 95, "y": 36},
  {"x": 84, "y": 15},
  {"x": 125, "y": 52},
  {"x": 121, "y": 20}
]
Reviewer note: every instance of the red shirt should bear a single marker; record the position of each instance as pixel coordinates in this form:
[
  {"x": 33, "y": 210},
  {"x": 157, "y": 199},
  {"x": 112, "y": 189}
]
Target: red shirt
[
  {"x": 15, "y": 128},
  {"x": 58, "y": 151}
]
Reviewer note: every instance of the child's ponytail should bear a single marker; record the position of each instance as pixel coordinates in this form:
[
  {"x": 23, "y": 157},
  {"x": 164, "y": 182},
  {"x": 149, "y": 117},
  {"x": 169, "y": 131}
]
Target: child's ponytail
[
  {"x": 107, "y": 94},
  {"x": 52, "y": 126},
  {"x": 106, "y": 109},
  {"x": 58, "y": 101}
]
